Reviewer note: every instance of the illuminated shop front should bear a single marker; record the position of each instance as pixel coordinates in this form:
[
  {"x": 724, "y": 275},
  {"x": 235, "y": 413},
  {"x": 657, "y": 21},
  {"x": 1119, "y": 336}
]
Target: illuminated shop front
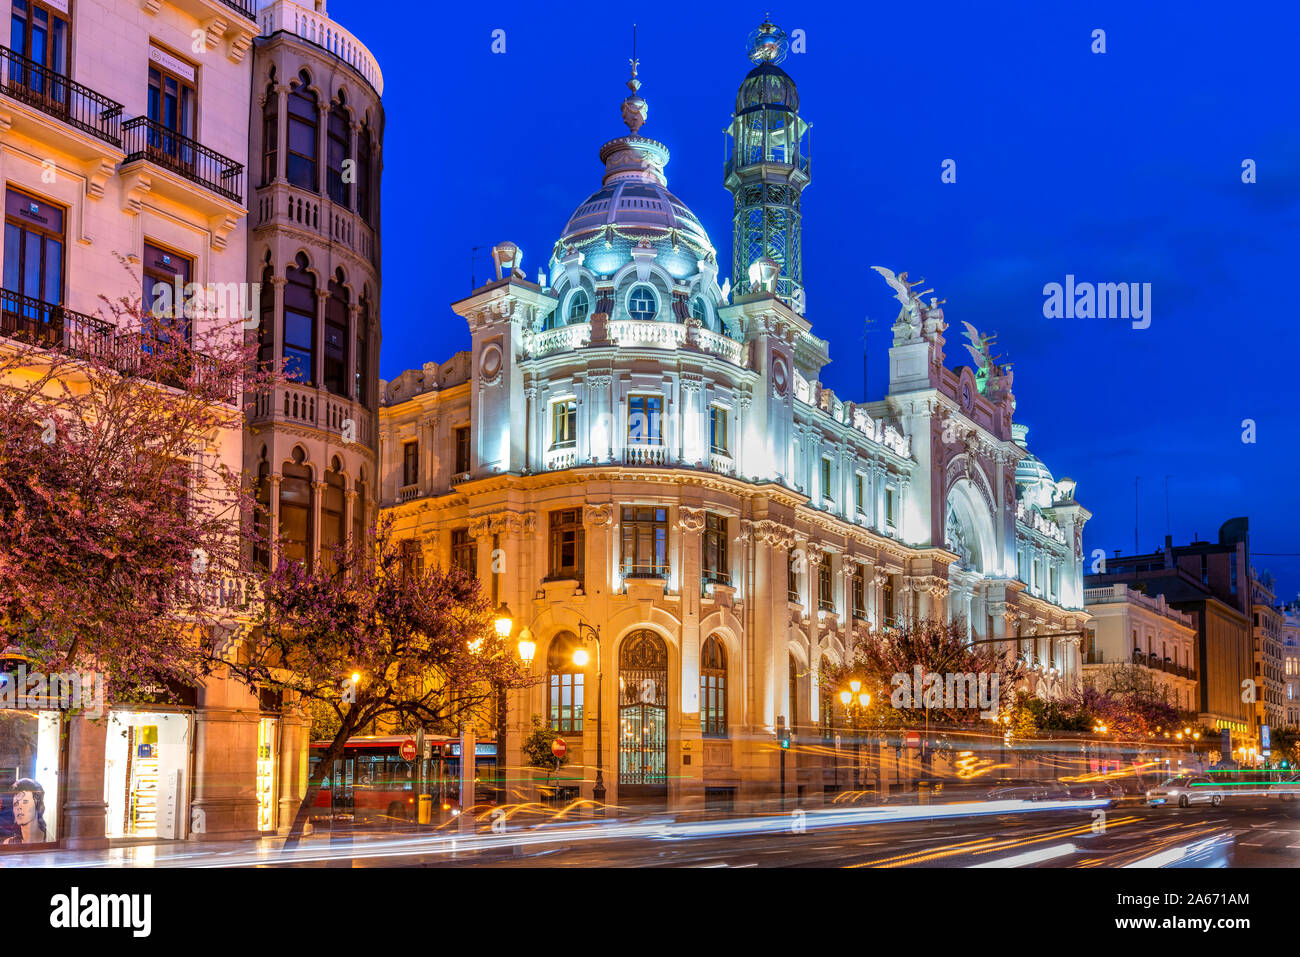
[
  {"x": 267, "y": 772},
  {"x": 146, "y": 773},
  {"x": 29, "y": 776}
]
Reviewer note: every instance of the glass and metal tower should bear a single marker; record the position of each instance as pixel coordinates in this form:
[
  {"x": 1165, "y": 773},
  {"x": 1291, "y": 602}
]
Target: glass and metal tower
[{"x": 767, "y": 169}]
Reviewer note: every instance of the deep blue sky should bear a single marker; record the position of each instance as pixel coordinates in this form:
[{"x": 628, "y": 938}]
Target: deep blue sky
[{"x": 1124, "y": 166}]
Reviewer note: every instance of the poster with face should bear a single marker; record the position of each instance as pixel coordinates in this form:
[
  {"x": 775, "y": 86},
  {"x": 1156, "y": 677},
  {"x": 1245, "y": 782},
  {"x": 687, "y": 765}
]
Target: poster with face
[{"x": 29, "y": 754}]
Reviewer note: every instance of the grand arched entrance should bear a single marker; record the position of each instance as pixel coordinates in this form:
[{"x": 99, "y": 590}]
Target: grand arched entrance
[{"x": 643, "y": 719}]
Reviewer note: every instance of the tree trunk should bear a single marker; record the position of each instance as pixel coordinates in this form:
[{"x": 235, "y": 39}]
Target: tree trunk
[{"x": 332, "y": 753}]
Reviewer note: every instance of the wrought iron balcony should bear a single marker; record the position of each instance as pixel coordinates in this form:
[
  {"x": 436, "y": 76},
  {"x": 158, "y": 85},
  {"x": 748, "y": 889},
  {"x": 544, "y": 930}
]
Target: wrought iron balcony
[
  {"x": 53, "y": 93},
  {"x": 149, "y": 140},
  {"x": 52, "y": 326},
  {"x": 242, "y": 6}
]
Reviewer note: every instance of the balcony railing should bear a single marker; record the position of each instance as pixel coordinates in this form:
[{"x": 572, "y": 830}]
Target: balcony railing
[
  {"x": 242, "y": 6},
  {"x": 53, "y": 93},
  {"x": 149, "y": 140},
  {"x": 59, "y": 329},
  {"x": 645, "y": 455},
  {"x": 52, "y": 327}
]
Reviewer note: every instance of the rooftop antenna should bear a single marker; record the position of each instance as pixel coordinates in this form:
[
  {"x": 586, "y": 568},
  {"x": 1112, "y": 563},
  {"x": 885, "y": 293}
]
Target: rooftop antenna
[
  {"x": 1168, "y": 526},
  {"x": 1136, "y": 549},
  {"x": 866, "y": 328}
]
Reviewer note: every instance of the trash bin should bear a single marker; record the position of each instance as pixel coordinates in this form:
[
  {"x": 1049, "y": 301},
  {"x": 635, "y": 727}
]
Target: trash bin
[{"x": 426, "y": 809}]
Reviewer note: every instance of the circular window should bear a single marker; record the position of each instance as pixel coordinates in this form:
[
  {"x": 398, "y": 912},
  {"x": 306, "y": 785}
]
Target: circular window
[
  {"x": 642, "y": 303},
  {"x": 579, "y": 306}
]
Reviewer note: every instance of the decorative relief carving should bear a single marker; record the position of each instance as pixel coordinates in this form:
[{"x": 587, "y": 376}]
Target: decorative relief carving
[
  {"x": 690, "y": 519},
  {"x": 600, "y": 516}
]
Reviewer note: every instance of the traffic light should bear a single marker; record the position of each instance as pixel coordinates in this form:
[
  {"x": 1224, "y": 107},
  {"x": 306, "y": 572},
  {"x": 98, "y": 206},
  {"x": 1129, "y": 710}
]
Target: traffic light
[{"x": 785, "y": 739}]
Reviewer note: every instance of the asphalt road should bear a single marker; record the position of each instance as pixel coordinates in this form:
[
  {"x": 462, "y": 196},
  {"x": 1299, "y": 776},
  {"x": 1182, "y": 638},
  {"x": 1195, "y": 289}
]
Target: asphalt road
[{"x": 1240, "y": 833}]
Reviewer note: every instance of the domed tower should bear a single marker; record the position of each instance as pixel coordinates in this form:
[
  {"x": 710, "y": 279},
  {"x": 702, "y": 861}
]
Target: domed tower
[
  {"x": 767, "y": 169},
  {"x": 632, "y": 250}
]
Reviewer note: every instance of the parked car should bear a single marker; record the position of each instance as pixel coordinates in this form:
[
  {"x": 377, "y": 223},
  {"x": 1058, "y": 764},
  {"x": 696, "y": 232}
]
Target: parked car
[
  {"x": 1185, "y": 790},
  {"x": 1021, "y": 789}
]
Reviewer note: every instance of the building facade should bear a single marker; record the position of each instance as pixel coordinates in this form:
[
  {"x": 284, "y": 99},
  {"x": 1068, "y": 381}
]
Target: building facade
[
  {"x": 315, "y": 140},
  {"x": 1210, "y": 581},
  {"x": 1267, "y": 624},
  {"x": 123, "y": 169},
  {"x": 1132, "y": 630},
  {"x": 645, "y": 463},
  {"x": 1291, "y": 664}
]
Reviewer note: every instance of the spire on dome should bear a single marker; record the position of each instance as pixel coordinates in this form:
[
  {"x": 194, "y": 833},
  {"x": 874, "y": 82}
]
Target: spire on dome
[{"x": 635, "y": 109}]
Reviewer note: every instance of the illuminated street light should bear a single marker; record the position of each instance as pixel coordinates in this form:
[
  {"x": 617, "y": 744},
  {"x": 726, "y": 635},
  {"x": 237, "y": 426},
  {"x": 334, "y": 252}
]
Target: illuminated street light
[{"x": 503, "y": 622}]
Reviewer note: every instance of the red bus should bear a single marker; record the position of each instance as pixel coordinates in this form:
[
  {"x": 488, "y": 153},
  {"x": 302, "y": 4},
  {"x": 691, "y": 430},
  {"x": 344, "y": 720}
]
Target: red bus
[{"x": 371, "y": 783}]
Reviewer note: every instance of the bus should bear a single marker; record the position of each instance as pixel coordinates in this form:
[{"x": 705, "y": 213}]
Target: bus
[{"x": 371, "y": 783}]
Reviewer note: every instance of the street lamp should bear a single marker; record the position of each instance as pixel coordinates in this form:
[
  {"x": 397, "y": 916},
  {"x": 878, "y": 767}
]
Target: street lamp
[
  {"x": 527, "y": 650},
  {"x": 855, "y": 702}
]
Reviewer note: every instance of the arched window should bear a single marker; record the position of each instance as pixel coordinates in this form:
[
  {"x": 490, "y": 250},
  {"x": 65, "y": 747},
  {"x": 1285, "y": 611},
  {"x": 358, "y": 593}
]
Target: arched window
[
  {"x": 359, "y": 512},
  {"x": 579, "y": 306},
  {"x": 361, "y": 355},
  {"x": 271, "y": 133},
  {"x": 266, "y": 313},
  {"x": 364, "y": 173},
  {"x": 300, "y": 322},
  {"x": 335, "y": 370},
  {"x": 339, "y": 151},
  {"x": 295, "y": 510},
  {"x": 304, "y": 124},
  {"x": 564, "y": 681},
  {"x": 700, "y": 312},
  {"x": 713, "y": 687},
  {"x": 262, "y": 515},
  {"x": 642, "y": 303},
  {"x": 333, "y": 516}
]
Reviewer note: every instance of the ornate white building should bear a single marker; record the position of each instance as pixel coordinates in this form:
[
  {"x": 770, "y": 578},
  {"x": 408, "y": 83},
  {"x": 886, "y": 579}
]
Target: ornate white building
[{"x": 630, "y": 447}]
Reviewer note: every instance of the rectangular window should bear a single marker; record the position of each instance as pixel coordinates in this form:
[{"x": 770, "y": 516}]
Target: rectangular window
[
  {"x": 33, "y": 268},
  {"x": 564, "y": 424},
  {"x": 164, "y": 272},
  {"x": 410, "y": 463},
  {"x": 463, "y": 553},
  {"x": 792, "y": 575},
  {"x": 826, "y": 479},
  {"x": 40, "y": 32},
  {"x": 412, "y": 559},
  {"x": 566, "y": 544},
  {"x": 566, "y": 702},
  {"x": 859, "y": 591},
  {"x": 172, "y": 105},
  {"x": 461, "y": 437},
  {"x": 718, "y": 430},
  {"x": 645, "y": 420},
  {"x": 1205, "y": 569},
  {"x": 859, "y": 494},
  {"x": 716, "y": 567},
  {"x": 645, "y": 542},
  {"x": 825, "y": 596},
  {"x": 891, "y": 507},
  {"x": 887, "y": 598}
]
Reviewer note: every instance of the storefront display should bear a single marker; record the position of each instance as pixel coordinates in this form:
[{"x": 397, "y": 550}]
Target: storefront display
[
  {"x": 146, "y": 773},
  {"x": 267, "y": 747},
  {"x": 29, "y": 777}
]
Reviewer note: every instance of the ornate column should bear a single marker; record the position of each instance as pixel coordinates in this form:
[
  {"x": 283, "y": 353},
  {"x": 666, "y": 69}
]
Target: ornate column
[
  {"x": 313, "y": 546},
  {"x": 276, "y": 332},
  {"x": 318, "y": 342},
  {"x": 691, "y": 448},
  {"x": 273, "y": 520},
  {"x": 880, "y": 578}
]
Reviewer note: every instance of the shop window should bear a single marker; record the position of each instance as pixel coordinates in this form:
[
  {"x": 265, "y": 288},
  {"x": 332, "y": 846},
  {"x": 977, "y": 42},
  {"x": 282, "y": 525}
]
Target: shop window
[
  {"x": 146, "y": 764},
  {"x": 29, "y": 776}
]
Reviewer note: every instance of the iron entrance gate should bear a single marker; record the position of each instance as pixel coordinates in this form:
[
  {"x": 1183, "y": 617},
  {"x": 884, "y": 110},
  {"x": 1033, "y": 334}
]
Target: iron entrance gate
[{"x": 643, "y": 717}]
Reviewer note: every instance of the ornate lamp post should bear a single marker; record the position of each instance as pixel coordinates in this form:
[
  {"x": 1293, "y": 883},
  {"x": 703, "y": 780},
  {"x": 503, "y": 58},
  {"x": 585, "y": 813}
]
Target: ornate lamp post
[
  {"x": 586, "y": 632},
  {"x": 855, "y": 702},
  {"x": 503, "y": 624}
]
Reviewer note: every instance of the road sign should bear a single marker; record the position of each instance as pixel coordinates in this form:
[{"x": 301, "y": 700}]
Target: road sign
[
  {"x": 559, "y": 748},
  {"x": 913, "y": 739},
  {"x": 408, "y": 750}
]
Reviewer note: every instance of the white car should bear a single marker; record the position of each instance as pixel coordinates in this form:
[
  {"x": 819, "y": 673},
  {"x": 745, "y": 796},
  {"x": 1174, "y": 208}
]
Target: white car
[{"x": 1184, "y": 790}]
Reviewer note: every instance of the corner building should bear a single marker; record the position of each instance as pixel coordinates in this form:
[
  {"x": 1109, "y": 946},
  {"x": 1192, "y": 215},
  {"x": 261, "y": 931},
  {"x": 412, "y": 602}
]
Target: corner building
[{"x": 634, "y": 448}]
